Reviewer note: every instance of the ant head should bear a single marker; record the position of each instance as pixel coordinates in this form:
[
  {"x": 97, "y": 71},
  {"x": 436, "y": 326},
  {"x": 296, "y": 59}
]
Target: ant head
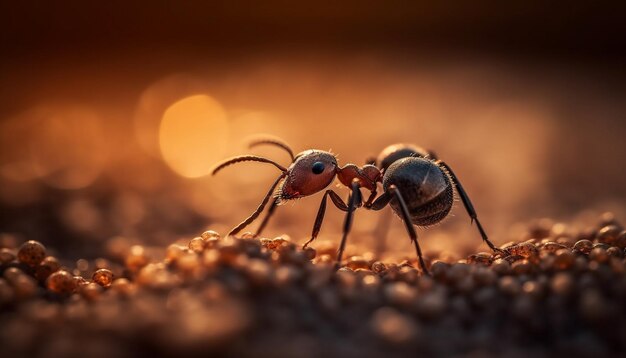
[{"x": 310, "y": 172}]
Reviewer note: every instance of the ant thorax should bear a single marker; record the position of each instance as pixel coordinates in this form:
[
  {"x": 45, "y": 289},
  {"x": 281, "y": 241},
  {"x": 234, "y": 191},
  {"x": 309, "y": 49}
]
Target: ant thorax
[{"x": 367, "y": 176}]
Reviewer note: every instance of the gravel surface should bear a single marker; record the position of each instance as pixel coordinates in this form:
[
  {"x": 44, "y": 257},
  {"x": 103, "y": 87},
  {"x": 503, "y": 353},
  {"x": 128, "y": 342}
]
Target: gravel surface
[{"x": 555, "y": 294}]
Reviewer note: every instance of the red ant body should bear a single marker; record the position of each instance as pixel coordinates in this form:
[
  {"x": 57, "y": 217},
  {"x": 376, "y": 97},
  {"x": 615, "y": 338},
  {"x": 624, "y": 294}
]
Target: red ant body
[{"x": 417, "y": 186}]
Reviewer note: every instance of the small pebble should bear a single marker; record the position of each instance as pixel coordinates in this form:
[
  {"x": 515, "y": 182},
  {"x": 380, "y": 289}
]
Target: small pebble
[
  {"x": 509, "y": 285},
  {"x": 524, "y": 250},
  {"x": 400, "y": 293},
  {"x": 137, "y": 258},
  {"x": 61, "y": 282},
  {"x": 197, "y": 245},
  {"x": 103, "y": 277},
  {"x": 562, "y": 283},
  {"x": 6, "y": 256},
  {"x": 609, "y": 234},
  {"x": 210, "y": 234},
  {"x": 259, "y": 271},
  {"x": 584, "y": 246},
  {"x": 31, "y": 253},
  {"x": 123, "y": 287},
  {"x": 357, "y": 262},
  {"x": 599, "y": 255},
  {"x": 501, "y": 266},
  {"x": 46, "y": 267},
  {"x": 482, "y": 258},
  {"x": 564, "y": 259},
  {"x": 431, "y": 305},
  {"x": 90, "y": 291},
  {"x": 378, "y": 267},
  {"x": 392, "y": 326}
]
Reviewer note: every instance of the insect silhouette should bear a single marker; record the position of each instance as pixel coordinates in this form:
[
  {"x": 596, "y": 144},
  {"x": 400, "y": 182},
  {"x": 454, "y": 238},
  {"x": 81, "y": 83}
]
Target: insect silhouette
[{"x": 418, "y": 187}]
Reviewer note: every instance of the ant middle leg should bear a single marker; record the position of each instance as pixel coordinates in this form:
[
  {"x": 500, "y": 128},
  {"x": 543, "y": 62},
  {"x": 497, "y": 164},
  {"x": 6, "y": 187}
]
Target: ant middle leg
[
  {"x": 354, "y": 201},
  {"x": 322, "y": 211},
  {"x": 267, "y": 217},
  {"x": 469, "y": 207},
  {"x": 383, "y": 200}
]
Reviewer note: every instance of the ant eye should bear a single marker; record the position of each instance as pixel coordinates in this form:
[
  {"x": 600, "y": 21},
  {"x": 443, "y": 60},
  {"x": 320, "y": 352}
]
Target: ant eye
[{"x": 317, "y": 168}]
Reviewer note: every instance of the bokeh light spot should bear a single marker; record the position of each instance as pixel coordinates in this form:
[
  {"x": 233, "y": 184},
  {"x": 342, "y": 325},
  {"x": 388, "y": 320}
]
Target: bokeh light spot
[
  {"x": 155, "y": 100},
  {"x": 193, "y": 135}
]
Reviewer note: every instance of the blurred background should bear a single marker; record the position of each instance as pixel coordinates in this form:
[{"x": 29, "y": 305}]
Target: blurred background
[{"x": 112, "y": 114}]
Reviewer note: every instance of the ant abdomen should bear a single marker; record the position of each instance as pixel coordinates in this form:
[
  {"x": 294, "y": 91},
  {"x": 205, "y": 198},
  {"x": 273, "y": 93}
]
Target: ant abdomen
[
  {"x": 395, "y": 152},
  {"x": 425, "y": 187}
]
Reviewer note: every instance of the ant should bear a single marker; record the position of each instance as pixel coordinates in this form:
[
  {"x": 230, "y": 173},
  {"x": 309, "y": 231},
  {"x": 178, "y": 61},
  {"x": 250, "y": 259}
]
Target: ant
[{"x": 417, "y": 186}]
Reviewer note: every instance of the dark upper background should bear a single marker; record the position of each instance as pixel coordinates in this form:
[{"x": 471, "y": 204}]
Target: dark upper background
[
  {"x": 525, "y": 99},
  {"x": 581, "y": 28}
]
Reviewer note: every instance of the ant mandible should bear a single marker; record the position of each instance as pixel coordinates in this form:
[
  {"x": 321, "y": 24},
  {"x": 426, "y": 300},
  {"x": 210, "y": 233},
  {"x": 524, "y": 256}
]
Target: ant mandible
[{"x": 417, "y": 186}]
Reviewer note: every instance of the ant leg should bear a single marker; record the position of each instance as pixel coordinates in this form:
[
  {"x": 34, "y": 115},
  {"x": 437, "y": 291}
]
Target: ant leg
[
  {"x": 259, "y": 209},
  {"x": 321, "y": 211},
  {"x": 354, "y": 201},
  {"x": 470, "y": 208},
  {"x": 380, "y": 202},
  {"x": 267, "y": 217},
  {"x": 370, "y": 199},
  {"x": 404, "y": 211}
]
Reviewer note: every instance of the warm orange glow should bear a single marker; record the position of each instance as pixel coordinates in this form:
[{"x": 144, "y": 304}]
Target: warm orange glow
[
  {"x": 193, "y": 135},
  {"x": 63, "y": 145}
]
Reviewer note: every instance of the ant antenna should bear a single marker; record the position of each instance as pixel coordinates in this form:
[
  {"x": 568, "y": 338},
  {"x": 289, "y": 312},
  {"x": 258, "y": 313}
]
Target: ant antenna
[
  {"x": 272, "y": 141},
  {"x": 246, "y": 158}
]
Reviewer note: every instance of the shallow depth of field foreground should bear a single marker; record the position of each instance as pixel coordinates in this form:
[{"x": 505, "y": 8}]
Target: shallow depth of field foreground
[{"x": 559, "y": 292}]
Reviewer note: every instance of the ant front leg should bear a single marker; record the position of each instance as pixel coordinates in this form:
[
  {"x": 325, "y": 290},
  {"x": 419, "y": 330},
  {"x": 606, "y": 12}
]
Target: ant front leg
[
  {"x": 267, "y": 217},
  {"x": 322, "y": 211},
  {"x": 470, "y": 208},
  {"x": 259, "y": 209},
  {"x": 354, "y": 201},
  {"x": 383, "y": 200}
]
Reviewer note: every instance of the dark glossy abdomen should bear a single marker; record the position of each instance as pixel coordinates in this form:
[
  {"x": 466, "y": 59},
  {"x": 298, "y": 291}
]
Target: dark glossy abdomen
[
  {"x": 425, "y": 187},
  {"x": 395, "y": 152}
]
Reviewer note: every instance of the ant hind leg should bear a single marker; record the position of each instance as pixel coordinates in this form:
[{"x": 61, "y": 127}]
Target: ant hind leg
[
  {"x": 470, "y": 208},
  {"x": 322, "y": 211}
]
